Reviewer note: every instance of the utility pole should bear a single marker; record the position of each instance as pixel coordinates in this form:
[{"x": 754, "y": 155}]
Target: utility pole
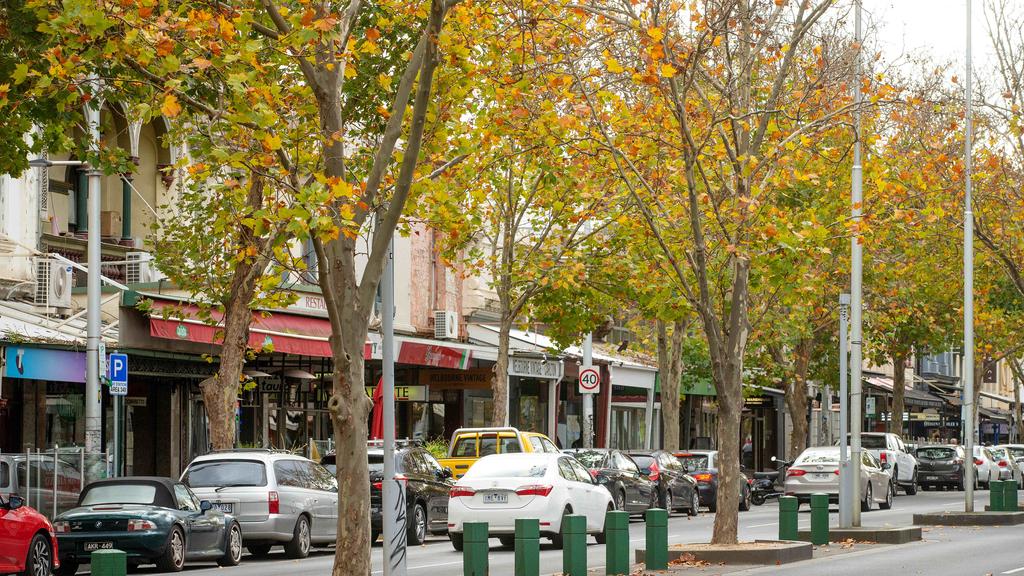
[
  {"x": 588, "y": 399},
  {"x": 856, "y": 288},
  {"x": 845, "y": 496},
  {"x": 968, "y": 365},
  {"x": 93, "y": 418},
  {"x": 393, "y": 498}
]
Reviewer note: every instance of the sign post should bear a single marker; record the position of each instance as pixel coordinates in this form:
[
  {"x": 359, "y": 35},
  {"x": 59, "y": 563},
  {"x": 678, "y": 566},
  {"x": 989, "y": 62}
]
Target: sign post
[
  {"x": 118, "y": 376},
  {"x": 590, "y": 384}
]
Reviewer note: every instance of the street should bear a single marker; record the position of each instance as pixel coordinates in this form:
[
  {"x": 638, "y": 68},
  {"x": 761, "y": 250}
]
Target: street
[{"x": 944, "y": 550}]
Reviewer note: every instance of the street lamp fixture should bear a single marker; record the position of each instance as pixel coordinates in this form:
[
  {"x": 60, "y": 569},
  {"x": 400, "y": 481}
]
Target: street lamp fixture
[{"x": 47, "y": 163}]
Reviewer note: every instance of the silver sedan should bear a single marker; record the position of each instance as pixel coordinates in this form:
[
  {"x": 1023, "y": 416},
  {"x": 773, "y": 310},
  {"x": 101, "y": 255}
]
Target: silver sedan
[{"x": 816, "y": 470}]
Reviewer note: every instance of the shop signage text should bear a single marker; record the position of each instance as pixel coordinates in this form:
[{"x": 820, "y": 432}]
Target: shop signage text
[
  {"x": 536, "y": 368},
  {"x": 405, "y": 393}
]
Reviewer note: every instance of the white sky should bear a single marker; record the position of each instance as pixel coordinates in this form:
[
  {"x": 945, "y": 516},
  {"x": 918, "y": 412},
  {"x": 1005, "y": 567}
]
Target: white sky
[{"x": 935, "y": 27}]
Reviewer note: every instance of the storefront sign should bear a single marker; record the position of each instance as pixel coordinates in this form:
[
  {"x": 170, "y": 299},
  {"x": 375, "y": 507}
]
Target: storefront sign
[
  {"x": 45, "y": 364},
  {"x": 869, "y": 406},
  {"x": 310, "y": 303},
  {"x": 924, "y": 417},
  {"x": 405, "y": 393},
  {"x": 536, "y": 368},
  {"x": 477, "y": 378}
]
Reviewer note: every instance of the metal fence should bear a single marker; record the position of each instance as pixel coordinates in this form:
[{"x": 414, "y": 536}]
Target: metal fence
[{"x": 50, "y": 481}]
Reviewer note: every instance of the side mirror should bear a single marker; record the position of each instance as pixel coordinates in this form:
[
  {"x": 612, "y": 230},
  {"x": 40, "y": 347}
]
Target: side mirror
[
  {"x": 205, "y": 505},
  {"x": 774, "y": 459},
  {"x": 446, "y": 473},
  {"x": 15, "y": 502},
  {"x": 886, "y": 466}
]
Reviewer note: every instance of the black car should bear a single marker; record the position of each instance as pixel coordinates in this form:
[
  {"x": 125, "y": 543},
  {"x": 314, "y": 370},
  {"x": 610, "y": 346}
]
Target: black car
[
  {"x": 702, "y": 465},
  {"x": 631, "y": 491},
  {"x": 941, "y": 465},
  {"x": 676, "y": 488},
  {"x": 426, "y": 490}
]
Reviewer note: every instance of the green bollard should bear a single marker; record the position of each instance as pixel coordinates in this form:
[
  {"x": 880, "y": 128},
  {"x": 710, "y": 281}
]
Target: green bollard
[
  {"x": 574, "y": 545},
  {"x": 995, "y": 496},
  {"x": 1010, "y": 503},
  {"x": 819, "y": 519},
  {"x": 788, "y": 507},
  {"x": 108, "y": 563},
  {"x": 656, "y": 556},
  {"x": 475, "y": 548},
  {"x": 527, "y": 547},
  {"x": 616, "y": 551}
]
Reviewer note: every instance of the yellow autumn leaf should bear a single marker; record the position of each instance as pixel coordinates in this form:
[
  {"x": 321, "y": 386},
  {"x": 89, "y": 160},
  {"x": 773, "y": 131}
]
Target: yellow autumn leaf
[
  {"x": 613, "y": 65},
  {"x": 656, "y": 34},
  {"x": 170, "y": 107},
  {"x": 667, "y": 71},
  {"x": 272, "y": 142}
]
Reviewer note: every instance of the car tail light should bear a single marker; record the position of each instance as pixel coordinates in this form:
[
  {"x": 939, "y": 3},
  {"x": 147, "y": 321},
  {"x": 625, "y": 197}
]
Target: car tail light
[
  {"x": 273, "y": 503},
  {"x": 593, "y": 473},
  {"x": 797, "y": 472},
  {"x": 138, "y": 525},
  {"x": 61, "y": 527},
  {"x": 534, "y": 490},
  {"x": 461, "y": 491},
  {"x": 655, "y": 472},
  {"x": 750, "y": 481},
  {"x": 703, "y": 478},
  {"x": 883, "y": 457},
  {"x": 1003, "y": 464},
  {"x": 836, "y": 472},
  {"x": 978, "y": 462},
  {"x": 401, "y": 477},
  {"x": 377, "y": 485}
]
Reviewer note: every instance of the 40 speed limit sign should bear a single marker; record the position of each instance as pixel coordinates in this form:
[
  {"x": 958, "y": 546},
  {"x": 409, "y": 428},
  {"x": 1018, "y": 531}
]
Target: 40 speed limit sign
[{"x": 590, "y": 380}]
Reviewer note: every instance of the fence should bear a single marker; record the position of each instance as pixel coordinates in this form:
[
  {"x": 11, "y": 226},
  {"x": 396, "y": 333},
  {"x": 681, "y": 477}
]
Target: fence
[{"x": 50, "y": 481}]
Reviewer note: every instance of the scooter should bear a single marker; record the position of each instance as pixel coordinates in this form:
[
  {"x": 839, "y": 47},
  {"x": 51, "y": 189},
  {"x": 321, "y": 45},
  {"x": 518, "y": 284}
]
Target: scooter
[{"x": 763, "y": 487}]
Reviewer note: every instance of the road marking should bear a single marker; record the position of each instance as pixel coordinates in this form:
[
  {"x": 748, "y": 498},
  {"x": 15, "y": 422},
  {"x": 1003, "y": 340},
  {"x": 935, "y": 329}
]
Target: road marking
[
  {"x": 1015, "y": 570},
  {"x": 425, "y": 566},
  {"x": 760, "y": 525}
]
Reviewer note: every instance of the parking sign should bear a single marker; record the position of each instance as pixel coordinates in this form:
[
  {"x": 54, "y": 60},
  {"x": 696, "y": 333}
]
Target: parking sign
[{"x": 118, "y": 374}]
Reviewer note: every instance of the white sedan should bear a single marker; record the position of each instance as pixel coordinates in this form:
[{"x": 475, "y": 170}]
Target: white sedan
[{"x": 500, "y": 488}]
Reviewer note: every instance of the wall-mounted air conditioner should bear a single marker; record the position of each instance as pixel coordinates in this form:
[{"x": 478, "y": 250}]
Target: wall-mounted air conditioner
[
  {"x": 141, "y": 268},
  {"x": 446, "y": 325},
  {"x": 53, "y": 283}
]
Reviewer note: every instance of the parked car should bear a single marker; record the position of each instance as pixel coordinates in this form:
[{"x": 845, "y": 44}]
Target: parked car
[
  {"x": 631, "y": 491},
  {"x": 426, "y": 492},
  {"x": 153, "y": 520},
  {"x": 676, "y": 489},
  {"x": 702, "y": 465},
  {"x": 1009, "y": 469},
  {"x": 278, "y": 498},
  {"x": 888, "y": 448},
  {"x": 470, "y": 444},
  {"x": 502, "y": 487},
  {"x": 1016, "y": 453},
  {"x": 816, "y": 470},
  {"x": 984, "y": 463},
  {"x": 15, "y": 475},
  {"x": 942, "y": 465},
  {"x": 27, "y": 541}
]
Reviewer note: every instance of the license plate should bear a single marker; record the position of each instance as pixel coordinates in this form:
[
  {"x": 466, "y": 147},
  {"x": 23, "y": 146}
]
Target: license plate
[
  {"x": 823, "y": 475},
  {"x": 931, "y": 477},
  {"x": 92, "y": 546},
  {"x": 496, "y": 498},
  {"x": 225, "y": 507}
]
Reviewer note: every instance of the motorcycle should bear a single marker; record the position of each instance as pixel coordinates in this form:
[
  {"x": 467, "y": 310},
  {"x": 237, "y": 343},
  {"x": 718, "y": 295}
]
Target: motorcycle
[{"x": 762, "y": 487}]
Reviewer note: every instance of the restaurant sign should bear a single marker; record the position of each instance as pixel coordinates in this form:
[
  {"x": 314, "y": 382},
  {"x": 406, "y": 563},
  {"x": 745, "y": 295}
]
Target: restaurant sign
[{"x": 536, "y": 368}]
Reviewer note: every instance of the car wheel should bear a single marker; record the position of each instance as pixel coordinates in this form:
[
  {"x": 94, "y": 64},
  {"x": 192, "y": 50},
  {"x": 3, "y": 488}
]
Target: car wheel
[
  {"x": 67, "y": 568},
  {"x": 911, "y": 488},
  {"x": 865, "y": 506},
  {"x": 669, "y": 503},
  {"x": 173, "y": 559},
  {"x": 559, "y": 539},
  {"x": 745, "y": 500},
  {"x": 757, "y": 499},
  {"x": 654, "y": 499},
  {"x": 602, "y": 536},
  {"x": 507, "y": 541},
  {"x": 373, "y": 537},
  {"x": 298, "y": 547},
  {"x": 258, "y": 550},
  {"x": 39, "y": 561},
  {"x": 456, "y": 539},
  {"x": 960, "y": 483},
  {"x": 620, "y": 499},
  {"x": 694, "y": 503},
  {"x": 889, "y": 495},
  {"x": 232, "y": 548},
  {"x": 416, "y": 534}
]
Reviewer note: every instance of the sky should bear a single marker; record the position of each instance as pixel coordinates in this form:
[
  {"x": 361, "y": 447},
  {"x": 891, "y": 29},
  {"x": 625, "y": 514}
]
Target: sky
[{"x": 937, "y": 27}]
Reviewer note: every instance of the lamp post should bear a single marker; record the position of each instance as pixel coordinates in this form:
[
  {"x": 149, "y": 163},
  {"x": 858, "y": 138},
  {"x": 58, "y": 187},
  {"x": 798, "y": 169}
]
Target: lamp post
[
  {"x": 968, "y": 365},
  {"x": 856, "y": 293}
]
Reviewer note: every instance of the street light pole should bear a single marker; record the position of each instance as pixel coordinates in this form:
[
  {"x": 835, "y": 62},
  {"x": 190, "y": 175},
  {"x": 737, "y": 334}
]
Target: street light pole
[
  {"x": 93, "y": 412},
  {"x": 588, "y": 399},
  {"x": 856, "y": 289},
  {"x": 968, "y": 365},
  {"x": 393, "y": 497},
  {"x": 845, "y": 500}
]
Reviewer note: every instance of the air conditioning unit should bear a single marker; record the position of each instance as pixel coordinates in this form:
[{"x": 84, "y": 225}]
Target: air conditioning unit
[
  {"x": 44, "y": 193},
  {"x": 53, "y": 283},
  {"x": 446, "y": 325},
  {"x": 141, "y": 268}
]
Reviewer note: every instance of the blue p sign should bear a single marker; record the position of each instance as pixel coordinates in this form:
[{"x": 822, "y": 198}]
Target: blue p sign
[{"x": 119, "y": 368}]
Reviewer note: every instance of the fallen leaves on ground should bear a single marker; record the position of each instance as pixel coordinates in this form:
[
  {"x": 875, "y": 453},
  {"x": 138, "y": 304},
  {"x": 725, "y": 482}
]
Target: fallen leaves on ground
[{"x": 689, "y": 560}]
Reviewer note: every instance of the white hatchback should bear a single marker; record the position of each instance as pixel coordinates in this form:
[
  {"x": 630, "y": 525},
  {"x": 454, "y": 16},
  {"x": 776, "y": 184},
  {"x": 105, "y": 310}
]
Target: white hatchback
[{"x": 500, "y": 488}]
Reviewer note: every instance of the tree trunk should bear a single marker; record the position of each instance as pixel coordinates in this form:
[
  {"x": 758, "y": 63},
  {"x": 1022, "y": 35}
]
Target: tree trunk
[
  {"x": 499, "y": 380},
  {"x": 670, "y": 362},
  {"x": 979, "y": 375},
  {"x": 796, "y": 397},
  {"x": 899, "y": 389},
  {"x": 728, "y": 431}
]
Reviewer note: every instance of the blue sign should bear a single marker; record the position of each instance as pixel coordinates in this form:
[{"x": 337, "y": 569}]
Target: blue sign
[
  {"x": 45, "y": 364},
  {"x": 118, "y": 374}
]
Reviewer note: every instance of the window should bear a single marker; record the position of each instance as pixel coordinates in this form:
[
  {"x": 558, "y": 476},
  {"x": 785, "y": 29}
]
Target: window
[
  {"x": 549, "y": 446},
  {"x": 218, "y": 473},
  {"x": 692, "y": 462},
  {"x": 488, "y": 445},
  {"x": 289, "y": 474},
  {"x": 5, "y": 474},
  {"x": 322, "y": 479},
  {"x": 502, "y": 468},
  {"x": 591, "y": 458},
  {"x": 582, "y": 474},
  {"x": 935, "y": 453},
  {"x": 413, "y": 464},
  {"x": 628, "y": 464},
  {"x": 535, "y": 444},
  {"x": 510, "y": 445},
  {"x": 433, "y": 467},
  {"x": 465, "y": 447},
  {"x": 119, "y": 494},
  {"x": 565, "y": 469},
  {"x": 376, "y": 461},
  {"x": 184, "y": 499}
]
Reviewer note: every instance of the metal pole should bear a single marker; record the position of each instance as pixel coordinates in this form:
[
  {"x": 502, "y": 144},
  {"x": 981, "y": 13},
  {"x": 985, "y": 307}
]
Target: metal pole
[
  {"x": 588, "y": 399},
  {"x": 968, "y": 367},
  {"x": 93, "y": 419},
  {"x": 394, "y": 491},
  {"x": 856, "y": 291},
  {"x": 845, "y": 500},
  {"x": 28, "y": 477},
  {"x": 56, "y": 450}
]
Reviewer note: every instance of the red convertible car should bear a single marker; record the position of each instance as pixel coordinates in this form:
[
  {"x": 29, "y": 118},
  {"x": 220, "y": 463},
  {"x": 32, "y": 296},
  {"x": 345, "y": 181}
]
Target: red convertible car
[{"x": 27, "y": 542}]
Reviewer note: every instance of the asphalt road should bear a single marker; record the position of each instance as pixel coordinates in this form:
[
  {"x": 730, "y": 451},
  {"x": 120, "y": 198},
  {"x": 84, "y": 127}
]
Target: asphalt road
[{"x": 957, "y": 552}]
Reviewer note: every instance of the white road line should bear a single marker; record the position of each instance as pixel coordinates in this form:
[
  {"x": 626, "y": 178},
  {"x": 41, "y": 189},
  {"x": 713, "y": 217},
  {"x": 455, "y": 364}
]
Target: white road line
[
  {"x": 411, "y": 568},
  {"x": 1015, "y": 570},
  {"x": 760, "y": 525}
]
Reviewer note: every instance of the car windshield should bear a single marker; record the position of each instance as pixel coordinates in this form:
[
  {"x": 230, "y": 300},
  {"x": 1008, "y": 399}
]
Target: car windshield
[
  {"x": 223, "y": 473},
  {"x": 939, "y": 453},
  {"x": 818, "y": 457},
  {"x": 376, "y": 462},
  {"x": 643, "y": 461},
  {"x": 998, "y": 453},
  {"x": 119, "y": 494},
  {"x": 507, "y": 468},
  {"x": 872, "y": 442},
  {"x": 1017, "y": 451},
  {"x": 590, "y": 458},
  {"x": 694, "y": 462}
]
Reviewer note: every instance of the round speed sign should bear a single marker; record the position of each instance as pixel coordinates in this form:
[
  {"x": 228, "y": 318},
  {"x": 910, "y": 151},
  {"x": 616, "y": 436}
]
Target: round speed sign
[{"x": 590, "y": 380}]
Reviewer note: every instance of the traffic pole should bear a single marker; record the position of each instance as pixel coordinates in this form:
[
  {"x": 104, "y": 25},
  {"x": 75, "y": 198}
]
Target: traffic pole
[
  {"x": 588, "y": 399},
  {"x": 845, "y": 496},
  {"x": 393, "y": 497},
  {"x": 856, "y": 288},
  {"x": 968, "y": 365}
]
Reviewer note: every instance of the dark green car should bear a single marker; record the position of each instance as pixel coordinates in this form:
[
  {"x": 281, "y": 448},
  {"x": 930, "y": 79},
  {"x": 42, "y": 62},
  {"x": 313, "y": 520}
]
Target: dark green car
[{"x": 153, "y": 520}]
